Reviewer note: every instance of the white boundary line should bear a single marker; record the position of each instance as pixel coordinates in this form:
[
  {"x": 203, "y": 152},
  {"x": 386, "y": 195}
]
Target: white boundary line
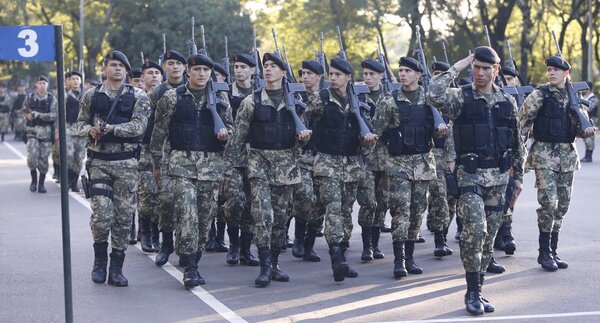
[
  {"x": 509, "y": 317},
  {"x": 199, "y": 292}
]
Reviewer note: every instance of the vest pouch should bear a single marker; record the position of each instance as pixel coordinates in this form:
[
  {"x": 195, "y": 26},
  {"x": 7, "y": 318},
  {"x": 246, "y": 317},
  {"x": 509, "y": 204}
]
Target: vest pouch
[
  {"x": 409, "y": 136},
  {"x": 263, "y": 114},
  {"x": 394, "y": 139},
  {"x": 555, "y": 125},
  {"x": 505, "y": 161},
  {"x": 503, "y": 138},
  {"x": 480, "y": 136},
  {"x": 127, "y": 102},
  {"x": 469, "y": 162},
  {"x": 466, "y": 137}
]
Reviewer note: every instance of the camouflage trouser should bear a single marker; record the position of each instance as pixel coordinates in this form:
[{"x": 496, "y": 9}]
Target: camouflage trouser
[
  {"x": 113, "y": 215},
  {"x": 304, "y": 206},
  {"x": 4, "y": 122},
  {"x": 554, "y": 197},
  {"x": 195, "y": 202},
  {"x": 481, "y": 218},
  {"x": 37, "y": 154},
  {"x": 55, "y": 152},
  {"x": 19, "y": 123},
  {"x": 337, "y": 197},
  {"x": 147, "y": 195},
  {"x": 166, "y": 222},
  {"x": 589, "y": 143},
  {"x": 236, "y": 205},
  {"x": 408, "y": 202},
  {"x": 374, "y": 199},
  {"x": 438, "y": 212},
  {"x": 75, "y": 152},
  {"x": 270, "y": 204}
]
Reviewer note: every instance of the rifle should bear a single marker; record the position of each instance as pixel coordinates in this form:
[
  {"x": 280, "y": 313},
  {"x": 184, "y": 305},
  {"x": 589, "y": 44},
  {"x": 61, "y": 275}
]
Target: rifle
[
  {"x": 192, "y": 42},
  {"x": 164, "y": 41},
  {"x": 426, "y": 76},
  {"x": 572, "y": 92},
  {"x": 142, "y": 57},
  {"x": 322, "y": 59},
  {"x": 289, "y": 88},
  {"x": 352, "y": 91},
  {"x": 388, "y": 84},
  {"x": 522, "y": 91},
  {"x": 447, "y": 61},
  {"x": 290, "y": 72},
  {"x": 259, "y": 82},
  {"x": 471, "y": 69},
  {"x": 226, "y": 64}
]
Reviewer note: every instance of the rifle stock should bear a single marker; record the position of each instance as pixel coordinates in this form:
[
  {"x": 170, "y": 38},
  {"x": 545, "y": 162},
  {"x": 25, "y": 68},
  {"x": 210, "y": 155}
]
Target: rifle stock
[{"x": 426, "y": 76}]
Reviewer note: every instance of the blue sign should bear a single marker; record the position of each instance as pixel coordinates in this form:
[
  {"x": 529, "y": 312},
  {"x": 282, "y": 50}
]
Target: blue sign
[{"x": 27, "y": 43}]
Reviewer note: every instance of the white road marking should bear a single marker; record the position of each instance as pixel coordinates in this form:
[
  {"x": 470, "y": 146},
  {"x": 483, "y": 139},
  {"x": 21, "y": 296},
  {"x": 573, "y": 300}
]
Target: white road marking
[
  {"x": 509, "y": 317},
  {"x": 200, "y": 292}
]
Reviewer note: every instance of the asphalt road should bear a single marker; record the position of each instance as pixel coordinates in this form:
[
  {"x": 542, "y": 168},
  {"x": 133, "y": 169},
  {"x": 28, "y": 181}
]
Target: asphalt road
[{"x": 31, "y": 272}]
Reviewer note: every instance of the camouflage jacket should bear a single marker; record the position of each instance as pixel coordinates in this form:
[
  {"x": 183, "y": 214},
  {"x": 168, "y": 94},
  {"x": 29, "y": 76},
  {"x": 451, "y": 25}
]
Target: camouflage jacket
[
  {"x": 134, "y": 128},
  {"x": 7, "y": 100},
  {"x": 42, "y": 133},
  {"x": 415, "y": 167},
  {"x": 204, "y": 166},
  {"x": 342, "y": 168},
  {"x": 375, "y": 158},
  {"x": 560, "y": 157},
  {"x": 446, "y": 154},
  {"x": 278, "y": 167},
  {"x": 450, "y": 102},
  {"x": 154, "y": 97}
]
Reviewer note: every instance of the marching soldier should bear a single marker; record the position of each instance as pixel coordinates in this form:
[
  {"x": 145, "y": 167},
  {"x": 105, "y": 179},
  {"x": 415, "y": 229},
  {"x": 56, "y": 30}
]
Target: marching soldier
[
  {"x": 552, "y": 155},
  {"x": 135, "y": 78},
  {"x": 592, "y": 109},
  {"x": 114, "y": 116},
  {"x": 5, "y": 107},
  {"x": 40, "y": 110},
  {"x": 486, "y": 135},
  {"x": 266, "y": 123},
  {"x": 75, "y": 142},
  {"x": 195, "y": 160},
  {"x": 19, "y": 119}
]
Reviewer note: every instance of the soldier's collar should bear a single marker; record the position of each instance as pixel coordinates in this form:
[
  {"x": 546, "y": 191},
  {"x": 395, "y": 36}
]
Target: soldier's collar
[{"x": 265, "y": 100}]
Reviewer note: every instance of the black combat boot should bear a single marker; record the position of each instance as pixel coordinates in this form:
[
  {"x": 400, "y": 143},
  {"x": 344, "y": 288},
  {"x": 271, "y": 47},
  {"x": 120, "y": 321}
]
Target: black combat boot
[
  {"x": 191, "y": 277},
  {"x": 309, "y": 243},
  {"x": 509, "y": 242},
  {"x": 351, "y": 272},
  {"x": 420, "y": 238},
  {"x": 385, "y": 228},
  {"x": 33, "y": 185},
  {"x": 339, "y": 266},
  {"x": 458, "y": 228},
  {"x": 211, "y": 243},
  {"x": 246, "y": 257},
  {"x": 155, "y": 236},
  {"x": 299, "y": 236},
  {"x": 220, "y": 245},
  {"x": 545, "y": 256},
  {"x": 233, "y": 255},
  {"x": 56, "y": 174},
  {"x": 2, "y": 134},
  {"x": 588, "y": 156},
  {"x": 41, "y": 180},
  {"x": 399, "y": 258},
  {"x": 100, "y": 261},
  {"x": 375, "y": 233},
  {"x": 494, "y": 268},
  {"x": 553, "y": 245},
  {"x": 276, "y": 273},
  {"x": 73, "y": 177},
  {"x": 132, "y": 232},
  {"x": 146, "y": 236},
  {"x": 264, "y": 278},
  {"x": 472, "y": 297},
  {"x": 440, "y": 246},
  {"x": 448, "y": 250},
  {"x": 165, "y": 249},
  {"x": 499, "y": 240},
  {"x": 487, "y": 306},
  {"x": 367, "y": 235},
  {"x": 115, "y": 270},
  {"x": 411, "y": 266}
]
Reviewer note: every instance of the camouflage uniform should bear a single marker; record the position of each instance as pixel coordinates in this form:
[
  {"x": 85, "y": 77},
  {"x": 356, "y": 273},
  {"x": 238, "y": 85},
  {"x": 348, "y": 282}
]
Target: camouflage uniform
[
  {"x": 195, "y": 174},
  {"x": 39, "y": 133},
  {"x": 481, "y": 215},
  {"x": 589, "y": 142},
  {"x": 18, "y": 117},
  {"x": 439, "y": 216},
  {"x": 113, "y": 183},
  {"x": 5, "y": 108},
  {"x": 75, "y": 143}
]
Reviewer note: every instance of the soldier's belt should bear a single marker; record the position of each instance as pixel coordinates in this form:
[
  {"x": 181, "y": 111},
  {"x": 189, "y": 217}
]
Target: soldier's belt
[
  {"x": 113, "y": 156},
  {"x": 476, "y": 189},
  {"x": 494, "y": 208}
]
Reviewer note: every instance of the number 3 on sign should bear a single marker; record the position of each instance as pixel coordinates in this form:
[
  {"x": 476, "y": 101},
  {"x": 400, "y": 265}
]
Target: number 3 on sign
[{"x": 31, "y": 46}]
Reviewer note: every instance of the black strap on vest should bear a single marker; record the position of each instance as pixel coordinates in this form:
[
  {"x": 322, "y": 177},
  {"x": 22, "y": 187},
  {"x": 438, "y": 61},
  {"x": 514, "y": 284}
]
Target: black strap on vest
[
  {"x": 114, "y": 156},
  {"x": 114, "y": 104},
  {"x": 94, "y": 191},
  {"x": 476, "y": 189}
]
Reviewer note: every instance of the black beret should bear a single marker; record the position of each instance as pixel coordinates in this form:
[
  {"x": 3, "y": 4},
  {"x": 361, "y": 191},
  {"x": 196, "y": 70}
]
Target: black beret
[
  {"x": 68, "y": 74},
  {"x": 411, "y": 63},
  {"x": 558, "y": 62},
  {"x": 43, "y": 78},
  {"x": 117, "y": 55},
  {"x": 313, "y": 66},
  {"x": 75, "y": 73},
  {"x": 590, "y": 85},
  {"x": 275, "y": 59},
  {"x": 509, "y": 70},
  {"x": 341, "y": 65},
  {"x": 247, "y": 59},
  {"x": 200, "y": 59},
  {"x": 135, "y": 72},
  {"x": 373, "y": 65},
  {"x": 440, "y": 66},
  {"x": 152, "y": 64},
  {"x": 486, "y": 54},
  {"x": 173, "y": 54},
  {"x": 221, "y": 69}
]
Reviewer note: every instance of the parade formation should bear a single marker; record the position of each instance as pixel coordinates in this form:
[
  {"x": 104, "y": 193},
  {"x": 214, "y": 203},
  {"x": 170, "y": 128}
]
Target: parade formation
[{"x": 199, "y": 146}]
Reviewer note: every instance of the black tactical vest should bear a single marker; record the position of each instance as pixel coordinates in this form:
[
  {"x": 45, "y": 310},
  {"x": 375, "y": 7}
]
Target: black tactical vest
[
  {"x": 192, "y": 128},
  {"x": 337, "y": 133},
  {"x": 18, "y": 104},
  {"x": 482, "y": 129},
  {"x": 162, "y": 89},
  {"x": 72, "y": 108},
  {"x": 415, "y": 132},
  {"x": 553, "y": 122},
  {"x": 234, "y": 102},
  {"x": 41, "y": 106},
  {"x": 100, "y": 105},
  {"x": 4, "y": 107},
  {"x": 271, "y": 129}
]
